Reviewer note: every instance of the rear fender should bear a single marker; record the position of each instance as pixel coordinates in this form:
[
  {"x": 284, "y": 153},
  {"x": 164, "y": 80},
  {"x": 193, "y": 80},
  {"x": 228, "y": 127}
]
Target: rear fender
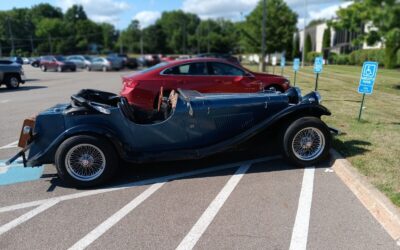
[{"x": 47, "y": 155}]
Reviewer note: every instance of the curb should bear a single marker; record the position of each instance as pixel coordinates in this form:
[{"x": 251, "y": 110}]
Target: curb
[{"x": 383, "y": 210}]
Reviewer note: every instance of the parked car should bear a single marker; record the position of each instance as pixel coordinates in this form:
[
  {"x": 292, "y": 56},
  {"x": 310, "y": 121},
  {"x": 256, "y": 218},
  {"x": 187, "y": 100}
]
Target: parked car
[
  {"x": 26, "y": 60},
  {"x": 81, "y": 62},
  {"x": 35, "y": 62},
  {"x": 207, "y": 75},
  {"x": 11, "y": 74},
  {"x": 88, "y": 137},
  {"x": 17, "y": 59},
  {"x": 148, "y": 60},
  {"x": 167, "y": 58},
  {"x": 58, "y": 63},
  {"x": 105, "y": 64},
  {"x": 129, "y": 62}
]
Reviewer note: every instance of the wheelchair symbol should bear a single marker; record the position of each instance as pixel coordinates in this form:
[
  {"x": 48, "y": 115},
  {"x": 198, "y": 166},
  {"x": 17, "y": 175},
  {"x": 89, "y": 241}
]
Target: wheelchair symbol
[{"x": 369, "y": 71}]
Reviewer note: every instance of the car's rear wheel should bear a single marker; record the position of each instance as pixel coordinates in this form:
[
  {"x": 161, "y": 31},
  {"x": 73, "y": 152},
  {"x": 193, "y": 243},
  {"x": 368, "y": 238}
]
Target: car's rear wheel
[
  {"x": 104, "y": 69},
  {"x": 88, "y": 68},
  {"x": 43, "y": 68},
  {"x": 306, "y": 141},
  {"x": 59, "y": 69},
  {"x": 12, "y": 81},
  {"x": 84, "y": 161}
]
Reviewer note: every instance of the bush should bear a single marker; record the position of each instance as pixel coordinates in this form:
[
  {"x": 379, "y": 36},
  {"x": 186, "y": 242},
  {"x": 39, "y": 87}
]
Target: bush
[
  {"x": 310, "y": 57},
  {"x": 340, "y": 59},
  {"x": 358, "y": 57}
]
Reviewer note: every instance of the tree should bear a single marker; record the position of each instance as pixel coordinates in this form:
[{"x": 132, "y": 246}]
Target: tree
[
  {"x": 280, "y": 27},
  {"x": 326, "y": 39},
  {"x": 308, "y": 45},
  {"x": 218, "y": 36},
  {"x": 51, "y": 30},
  {"x": 130, "y": 37},
  {"x": 154, "y": 39},
  {"x": 384, "y": 17},
  {"x": 178, "y": 27},
  {"x": 75, "y": 13}
]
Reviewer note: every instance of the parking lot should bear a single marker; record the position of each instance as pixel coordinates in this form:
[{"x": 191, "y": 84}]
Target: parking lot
[{"x": 241, "y": 200}]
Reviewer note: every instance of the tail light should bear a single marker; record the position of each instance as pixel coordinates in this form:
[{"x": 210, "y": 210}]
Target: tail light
[
  {"x": 130, "y": 83},
  {"x": 26, "y": 132}
]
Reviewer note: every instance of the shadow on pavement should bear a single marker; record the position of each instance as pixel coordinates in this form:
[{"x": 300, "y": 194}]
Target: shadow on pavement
[
  {"x": 21, "y": 88},
  {"x": 129, "y": 173}
]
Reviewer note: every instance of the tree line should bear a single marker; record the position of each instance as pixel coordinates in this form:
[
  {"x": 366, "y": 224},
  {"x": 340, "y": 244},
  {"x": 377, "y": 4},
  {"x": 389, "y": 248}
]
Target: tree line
[{"x": 45, "y": 29}]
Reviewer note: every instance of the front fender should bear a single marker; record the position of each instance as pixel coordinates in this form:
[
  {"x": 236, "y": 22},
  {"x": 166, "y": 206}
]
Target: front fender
[{"x": 39, "y": 156}]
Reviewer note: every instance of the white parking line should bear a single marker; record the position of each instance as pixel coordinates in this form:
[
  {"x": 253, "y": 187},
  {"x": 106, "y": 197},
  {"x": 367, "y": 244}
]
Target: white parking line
[
  {"x": 6, "y": 227},
  {"x": 11, "y": 145},
  {"x": 133, "y": 184},
  {"x": 301, "y": 225},
  {"x": 209, "y": 214},
  {"x": 115, "y": 218}
]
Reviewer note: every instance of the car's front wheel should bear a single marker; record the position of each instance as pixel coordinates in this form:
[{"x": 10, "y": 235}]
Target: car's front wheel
[
  {"x": 12, "y": 82},
  {"x": 84, "y": 161},
  {"x": 43, "y": 68},
  {"x": 306, "y": 141}
]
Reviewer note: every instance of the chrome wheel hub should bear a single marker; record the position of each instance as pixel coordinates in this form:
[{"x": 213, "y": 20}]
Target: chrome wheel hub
[
  {"x": 85, "y": 162},
  {"x": 308, "y": 144}
]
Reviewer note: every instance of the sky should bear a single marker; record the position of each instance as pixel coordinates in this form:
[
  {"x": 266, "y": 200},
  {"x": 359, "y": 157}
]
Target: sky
[{"x": 121, "y": 12}]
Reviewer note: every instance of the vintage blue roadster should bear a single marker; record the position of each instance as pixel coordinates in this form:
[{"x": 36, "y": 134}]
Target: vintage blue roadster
[{"x": 87, "y": 138}]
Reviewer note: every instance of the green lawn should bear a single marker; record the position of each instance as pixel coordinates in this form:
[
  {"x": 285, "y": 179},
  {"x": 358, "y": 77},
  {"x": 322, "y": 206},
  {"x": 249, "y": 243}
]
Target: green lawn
[{"x": 372, "y": 145}]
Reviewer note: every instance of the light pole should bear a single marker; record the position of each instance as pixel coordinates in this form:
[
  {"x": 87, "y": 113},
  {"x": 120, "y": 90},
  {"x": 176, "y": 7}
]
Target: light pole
[
  {"x": 303, "y": 56},
  {"x": 263, "y": 37}
]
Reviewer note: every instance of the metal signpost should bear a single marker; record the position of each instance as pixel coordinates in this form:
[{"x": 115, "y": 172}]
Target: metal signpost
[
  {"x": 318, "y": 64},
  {"x": 296, "y": 67},
  {"x": 283, "y": 62},
  {"x": 367, "y": 81}
]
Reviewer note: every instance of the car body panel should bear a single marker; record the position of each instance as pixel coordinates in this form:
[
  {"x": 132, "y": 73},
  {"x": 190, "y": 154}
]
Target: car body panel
[
  {"x": 8, "y": 67},
  {"x": 200, "y": 125},
  {"x": 230, "y": 78}
]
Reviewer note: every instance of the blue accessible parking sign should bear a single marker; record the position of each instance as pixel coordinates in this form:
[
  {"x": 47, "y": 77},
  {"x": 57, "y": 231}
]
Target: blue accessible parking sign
[
  {"x": 368, "y": 76},
  {"x": 318, "y": 64},
  {"x": 296, "y": 64},
  {"x": 283, "y": 61}
]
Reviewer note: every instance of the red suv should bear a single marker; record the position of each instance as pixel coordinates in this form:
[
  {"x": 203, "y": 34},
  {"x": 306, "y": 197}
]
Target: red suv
[
  {"x": 206, "y": 75},
  {"x": 58, "y": 63}
]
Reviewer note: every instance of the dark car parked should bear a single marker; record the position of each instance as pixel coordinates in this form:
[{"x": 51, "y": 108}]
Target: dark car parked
[
  {"x": 128, "y": 62},
  {"x": 88, "y": 137},
  {"x": 11, "y": 74},
  {"x": 17, "y": 59},
  {"x": 58, "y": 63},
  {"x": 228, "y": 57},
  {"x": 206, "y": 75}
]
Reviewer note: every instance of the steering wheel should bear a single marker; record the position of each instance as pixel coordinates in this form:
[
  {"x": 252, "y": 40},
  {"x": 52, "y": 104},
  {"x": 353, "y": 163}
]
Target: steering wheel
[{"x": 160, "y": 98}]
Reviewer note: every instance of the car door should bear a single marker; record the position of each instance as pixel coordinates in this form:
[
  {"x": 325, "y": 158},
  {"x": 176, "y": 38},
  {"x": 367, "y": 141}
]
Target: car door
[
  {"x": 231, "y": 79},
  {"x": 192, "y": 76}
]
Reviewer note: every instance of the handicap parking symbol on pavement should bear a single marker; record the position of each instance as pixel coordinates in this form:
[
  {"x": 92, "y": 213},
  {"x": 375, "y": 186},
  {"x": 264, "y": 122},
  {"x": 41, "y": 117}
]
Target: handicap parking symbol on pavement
[{"x": 368, "y": 76}]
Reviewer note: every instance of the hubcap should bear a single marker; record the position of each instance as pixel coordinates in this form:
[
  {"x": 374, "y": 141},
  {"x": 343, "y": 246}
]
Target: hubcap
[
  {"x": 14, "y": 82},
  {"x": 85, "y": 162},
  {"x": 308, "y": 144}
]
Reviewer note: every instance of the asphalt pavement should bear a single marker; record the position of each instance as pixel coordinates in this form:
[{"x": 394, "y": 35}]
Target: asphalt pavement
[{"x": 240, "y": 200}]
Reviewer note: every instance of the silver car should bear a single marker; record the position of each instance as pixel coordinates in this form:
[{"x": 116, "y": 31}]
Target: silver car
[
  {"x": 82, "y": 62},
  {"x": 105, "y": 64}
]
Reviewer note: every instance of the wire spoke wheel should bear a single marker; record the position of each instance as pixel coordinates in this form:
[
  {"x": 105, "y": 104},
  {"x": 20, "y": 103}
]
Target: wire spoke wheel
[
  {"x": 308, "y": 143},
  {"x": 85, "y": 162}
]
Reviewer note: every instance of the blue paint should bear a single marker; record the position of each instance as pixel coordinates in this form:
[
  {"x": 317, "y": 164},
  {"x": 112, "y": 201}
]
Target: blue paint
[
  {"x": 318, "y": 65},
  {"x": 16, "y": 172},
  {"x": 283, "y": 62},
  {"x": 296, "y": 64},
  {"x": 368, "y": 76}
]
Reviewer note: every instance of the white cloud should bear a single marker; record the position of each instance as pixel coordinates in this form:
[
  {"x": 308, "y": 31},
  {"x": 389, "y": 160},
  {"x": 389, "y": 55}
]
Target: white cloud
[
  {"x": 327, "y": 13},
  {"x": 230, "y": 9},
  {"x": 98, "y": 10},
  {"x": 147, "y": 18}
]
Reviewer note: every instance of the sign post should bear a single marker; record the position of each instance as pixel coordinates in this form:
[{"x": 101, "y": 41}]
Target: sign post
[
  {"x": 296, "y": 67},
  {"x": 318, "y": 64},
  {"x": 367, "y": 81},
  {"x": 283, "y": 62}
]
